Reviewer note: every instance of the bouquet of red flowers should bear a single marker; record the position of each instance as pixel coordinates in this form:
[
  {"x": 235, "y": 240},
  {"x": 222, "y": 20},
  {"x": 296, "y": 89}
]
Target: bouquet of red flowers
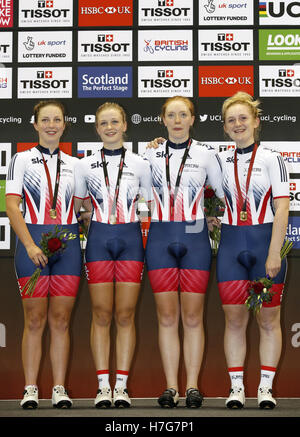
[
  {"x": 213, "y": 207},
  {"x": 52, "y": 243},
  {"x": 261, "y": 290}
]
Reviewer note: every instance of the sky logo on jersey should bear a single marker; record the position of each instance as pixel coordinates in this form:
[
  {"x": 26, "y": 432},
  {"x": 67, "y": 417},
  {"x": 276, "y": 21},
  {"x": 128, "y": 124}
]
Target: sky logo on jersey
[
  {"x": 103, "y": 82},
  {"x": 225, "y": 80},
  {"x": 6, "y": 13},
  {"x": 279, "y": 12},
  {"x": 279, "y": 44},
  {"x": 108, "y": 14}
]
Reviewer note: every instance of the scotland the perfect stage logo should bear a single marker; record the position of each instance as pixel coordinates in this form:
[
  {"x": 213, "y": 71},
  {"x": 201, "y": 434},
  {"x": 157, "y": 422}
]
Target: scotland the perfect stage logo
[{"x": 104, "y": 82}]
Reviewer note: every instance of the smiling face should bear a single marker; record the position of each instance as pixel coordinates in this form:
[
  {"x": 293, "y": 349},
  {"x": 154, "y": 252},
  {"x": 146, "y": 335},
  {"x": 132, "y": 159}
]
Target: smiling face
[
  {"x": 178, "y": 120},
  {"x": 240, "y": 124},
  {"x": 50, "y": 126},
  {"x": 111, "y": 127}
]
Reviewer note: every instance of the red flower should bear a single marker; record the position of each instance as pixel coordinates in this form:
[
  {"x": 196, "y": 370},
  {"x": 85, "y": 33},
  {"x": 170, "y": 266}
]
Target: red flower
[
  {"x": 209, "y": 193},
  {"x": 257, "y": 287},
  {"x": 54, "y": 244}
]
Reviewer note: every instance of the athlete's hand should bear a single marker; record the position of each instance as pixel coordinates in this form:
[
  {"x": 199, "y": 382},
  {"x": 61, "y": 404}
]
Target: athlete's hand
[
  {"x": 213, "y": 221},
  {"x": 37, "y": 256},
  {"x": 154, "y": 144},
  {"x": 85, "y": 217},
  {"x": 273, "y": 264}
]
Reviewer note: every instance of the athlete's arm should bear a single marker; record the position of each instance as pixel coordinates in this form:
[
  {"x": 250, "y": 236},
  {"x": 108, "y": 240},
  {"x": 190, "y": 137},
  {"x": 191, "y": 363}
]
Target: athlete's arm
[
  {"x": 19, "y": 226},
  {"x": 154, "y": 144},
  {"x": 273, "y": 262}
]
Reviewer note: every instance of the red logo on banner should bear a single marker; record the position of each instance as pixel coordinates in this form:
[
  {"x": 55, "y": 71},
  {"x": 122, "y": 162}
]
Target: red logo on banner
[
  {"x": 6, "y": 13},
  {"x": 225, "y": 80},
  {"x": 108, "y": 14},
  {"x": 64, "y": 147}
]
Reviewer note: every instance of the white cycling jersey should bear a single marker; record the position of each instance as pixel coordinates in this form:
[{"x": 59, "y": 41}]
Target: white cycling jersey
[
  {"x": 135, "y": 183},
  {"x": 27, "y": 178},
  {"x": 269, "y": 180},
  {"x": 201, "y": 168}
]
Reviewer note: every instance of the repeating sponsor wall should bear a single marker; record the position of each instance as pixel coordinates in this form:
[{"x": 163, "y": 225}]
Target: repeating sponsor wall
[{"x": 139, "y": 52}]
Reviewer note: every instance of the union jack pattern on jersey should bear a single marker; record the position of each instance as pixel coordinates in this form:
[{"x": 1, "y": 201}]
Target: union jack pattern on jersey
[
  {"x": 201, "y": 167},
  {"x": 135, "y": 182},
  {"x": 269, "y": 180},
  {"x": 27, "y": 178}
]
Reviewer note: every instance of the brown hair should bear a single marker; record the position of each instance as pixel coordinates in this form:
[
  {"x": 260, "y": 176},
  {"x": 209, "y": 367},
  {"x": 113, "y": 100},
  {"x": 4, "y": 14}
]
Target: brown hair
[
  {"x": 185, "y": 100},
  {"x": 111, "y": 105},
  {"x": 43, "y": 103}
]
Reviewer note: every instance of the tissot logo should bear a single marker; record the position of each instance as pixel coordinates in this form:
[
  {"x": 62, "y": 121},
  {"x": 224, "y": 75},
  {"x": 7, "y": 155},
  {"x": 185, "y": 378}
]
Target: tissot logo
[
  {"x": 108, "y": 14},
  {"x": 6, "y": 13},
  {"x": 165, "y": 12},
  {"x": 166, "y": 81},
  {"x": 45, "y": 4},
  {"x": 107, "y": 45},
  {"x": 52, "y": 13},
  {"x": 225, "y": 80},
  {"x": 6, "y": 45},
  {"x": 44, "y": 82},
  {"x": 226, "y": 45},
  {"x": 280, "y": 81}
]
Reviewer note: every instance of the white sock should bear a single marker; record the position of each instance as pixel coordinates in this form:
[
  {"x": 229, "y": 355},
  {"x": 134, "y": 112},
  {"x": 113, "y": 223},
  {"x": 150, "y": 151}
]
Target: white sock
[
  {"x": 267, "y": 374},
  {"x": 236, "y": 376},
  {"x": 103, "y": 378},
  {"x": 121, "y": 379}
]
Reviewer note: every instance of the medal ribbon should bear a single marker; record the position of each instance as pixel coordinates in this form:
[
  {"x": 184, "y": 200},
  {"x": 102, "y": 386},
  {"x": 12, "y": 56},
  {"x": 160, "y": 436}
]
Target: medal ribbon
[
  {"x": 106, "y": 179},
  {"x": 53, "y": 197},
  {"x": 181, "y": 167},
  {"x": 243, "y": 202}
]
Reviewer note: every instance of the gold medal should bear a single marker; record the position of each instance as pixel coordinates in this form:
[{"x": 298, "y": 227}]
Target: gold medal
[
  {"x": 53, "y": 214},
  {"x": 243, "y": 216},
  {"x": 112, "y": 219}
]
